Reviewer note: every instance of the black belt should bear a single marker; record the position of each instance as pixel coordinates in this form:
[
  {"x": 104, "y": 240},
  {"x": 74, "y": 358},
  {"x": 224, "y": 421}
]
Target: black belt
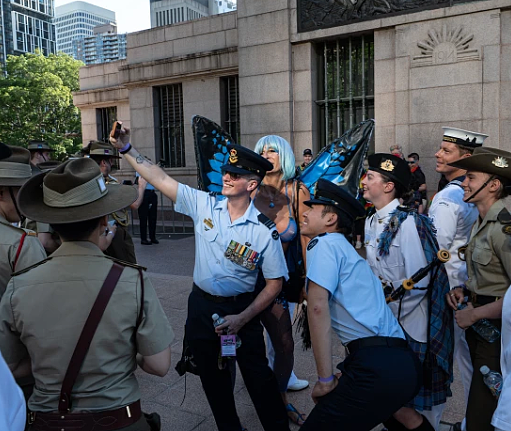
[
  {"x": 483, "y": 299},
  {"x": 222, "y": 299},
  {"x": 149, "y": 191},
  {"x": 97, "y": 421},
  {"x": 354, "y": 345}
]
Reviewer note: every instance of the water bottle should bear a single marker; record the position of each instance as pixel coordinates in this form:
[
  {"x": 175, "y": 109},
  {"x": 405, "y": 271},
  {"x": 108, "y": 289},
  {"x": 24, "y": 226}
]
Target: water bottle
[
  {"x": 217, "y": 320},
  {"x": 484, "y": 327},
  {"x": 493, "y": 380}
]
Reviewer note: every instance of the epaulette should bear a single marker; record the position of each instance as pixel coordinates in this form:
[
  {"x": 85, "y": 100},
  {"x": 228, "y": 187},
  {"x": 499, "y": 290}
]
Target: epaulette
[
  {"x": 30, "y": 232},
  {"x": 124, "y": 263},
  {"x": 31, "y": 267},
  {"x": 505, "y": 218},
  {"x": 266, "y": 221}
]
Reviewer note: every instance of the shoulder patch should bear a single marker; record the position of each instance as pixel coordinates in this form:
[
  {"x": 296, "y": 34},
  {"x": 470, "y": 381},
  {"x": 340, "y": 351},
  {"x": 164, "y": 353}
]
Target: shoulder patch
[
  {"x": 35, "y": 265},
  {"x": 275, "y": 234},
  {"x": 312, "y": 244},
  {"x": 504, "y": 217},
  {"x": 266, "y": 221},
  {"x": 124, "y": 263}
]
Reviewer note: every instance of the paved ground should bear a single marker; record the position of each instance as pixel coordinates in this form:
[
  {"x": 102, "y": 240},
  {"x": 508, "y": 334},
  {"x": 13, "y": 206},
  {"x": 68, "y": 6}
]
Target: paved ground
[{"x": 181, "y": 402}]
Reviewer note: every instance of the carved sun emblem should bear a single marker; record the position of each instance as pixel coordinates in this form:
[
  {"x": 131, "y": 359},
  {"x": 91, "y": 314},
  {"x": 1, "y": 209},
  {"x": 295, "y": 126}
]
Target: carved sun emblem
[{"x": 448, "y": 45}]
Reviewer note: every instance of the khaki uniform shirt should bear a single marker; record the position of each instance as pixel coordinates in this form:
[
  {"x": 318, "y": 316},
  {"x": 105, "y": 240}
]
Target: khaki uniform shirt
[
  {"x": 488, "y": 255},
  {"x": 31, "y": 252},
  {"x": 44, "y": 310}
]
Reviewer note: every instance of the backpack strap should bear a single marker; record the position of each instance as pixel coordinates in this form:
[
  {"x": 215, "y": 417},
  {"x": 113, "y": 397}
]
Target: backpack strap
[{"x": 86, "y": 336}]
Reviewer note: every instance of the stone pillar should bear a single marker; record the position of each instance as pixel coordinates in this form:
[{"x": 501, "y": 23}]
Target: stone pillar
[{"x": 264, "y": 70}]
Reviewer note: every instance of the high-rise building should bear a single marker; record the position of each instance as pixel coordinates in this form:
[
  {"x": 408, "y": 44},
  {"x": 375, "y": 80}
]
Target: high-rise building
[
  {"x": 105, "y": 46},
  {"x": 26, "y": 25},
  {"x": 167, "y": 12},
  {"x": 75, "y": 21}
]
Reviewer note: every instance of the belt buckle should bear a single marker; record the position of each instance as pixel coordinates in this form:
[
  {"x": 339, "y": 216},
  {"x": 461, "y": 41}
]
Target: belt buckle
[
  {"x": 31, "y": 417},
  {"x": 128, "y": 411}
]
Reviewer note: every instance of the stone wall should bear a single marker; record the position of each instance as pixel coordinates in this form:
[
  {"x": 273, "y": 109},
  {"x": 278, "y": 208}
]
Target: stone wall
[{"x": 432, "y": 68}]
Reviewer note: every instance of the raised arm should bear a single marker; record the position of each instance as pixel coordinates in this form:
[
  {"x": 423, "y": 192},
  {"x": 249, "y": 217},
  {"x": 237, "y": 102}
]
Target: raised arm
[{"x": 152, "y": 174}]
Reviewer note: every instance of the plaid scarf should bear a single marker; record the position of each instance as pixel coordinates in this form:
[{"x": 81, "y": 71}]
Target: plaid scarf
[{"x": 440, "y": 331}]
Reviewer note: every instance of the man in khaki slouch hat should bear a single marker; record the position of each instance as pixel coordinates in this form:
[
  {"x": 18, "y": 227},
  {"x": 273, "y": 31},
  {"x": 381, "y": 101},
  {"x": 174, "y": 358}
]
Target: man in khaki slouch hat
[
  {"x": 45, "y": 307},
  {"x": 19, "y": 248}
]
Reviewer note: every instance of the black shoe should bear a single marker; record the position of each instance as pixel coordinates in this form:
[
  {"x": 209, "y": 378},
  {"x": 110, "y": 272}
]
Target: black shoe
[
  {"x": 155, "y": 241},
  {"x": 145, "y": 242}
]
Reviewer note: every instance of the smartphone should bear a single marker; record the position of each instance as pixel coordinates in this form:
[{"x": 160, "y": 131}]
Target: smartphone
[{"x": 116, "y": 129}]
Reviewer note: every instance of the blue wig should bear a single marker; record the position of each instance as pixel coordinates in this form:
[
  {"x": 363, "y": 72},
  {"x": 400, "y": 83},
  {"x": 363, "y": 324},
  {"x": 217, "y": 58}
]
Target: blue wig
[{"x": 284, "y": 150}]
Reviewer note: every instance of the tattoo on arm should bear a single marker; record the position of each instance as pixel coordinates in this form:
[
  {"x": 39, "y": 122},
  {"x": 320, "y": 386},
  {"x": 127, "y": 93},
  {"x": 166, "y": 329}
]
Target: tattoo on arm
[{"x": 140, "y": 159}]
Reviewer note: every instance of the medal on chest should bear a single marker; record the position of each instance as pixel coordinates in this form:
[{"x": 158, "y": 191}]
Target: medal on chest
[{"x": 242, "y": 255}]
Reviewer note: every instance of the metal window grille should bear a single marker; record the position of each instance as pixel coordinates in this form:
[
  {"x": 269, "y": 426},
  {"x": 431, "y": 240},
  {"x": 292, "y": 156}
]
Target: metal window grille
[
  {"x": 170, "y": 126},
  {"x": 231, "y": 106},
  {"x": 105, "y": 118},
  {"x": 346, "y": 90}
]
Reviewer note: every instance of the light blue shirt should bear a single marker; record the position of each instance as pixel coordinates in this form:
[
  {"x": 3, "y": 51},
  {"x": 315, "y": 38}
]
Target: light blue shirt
[
  {"x": 215, "y": 233},
  {"x": 356, "y": 299},
  {"x": 149, "y": 186},
  {"x": 12, "y": 402}
]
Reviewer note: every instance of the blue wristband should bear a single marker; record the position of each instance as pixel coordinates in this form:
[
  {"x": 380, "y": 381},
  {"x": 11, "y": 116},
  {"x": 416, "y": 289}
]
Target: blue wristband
[
  {"x": 326, "y": 379},
  {"x": 125, "y": 149}
]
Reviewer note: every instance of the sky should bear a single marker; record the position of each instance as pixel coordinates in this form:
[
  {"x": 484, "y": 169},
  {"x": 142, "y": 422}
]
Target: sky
[{"x": 131, "y": 15}]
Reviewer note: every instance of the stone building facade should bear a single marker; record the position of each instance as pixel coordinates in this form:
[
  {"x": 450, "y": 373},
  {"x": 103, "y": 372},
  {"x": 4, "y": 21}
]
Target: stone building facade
[{"x": 254, "y": 72}]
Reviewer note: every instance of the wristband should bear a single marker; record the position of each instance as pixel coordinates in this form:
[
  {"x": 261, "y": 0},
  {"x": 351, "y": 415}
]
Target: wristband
[
  {"x": 125, "y": 149},
  {"x": 326, "y": 379}
]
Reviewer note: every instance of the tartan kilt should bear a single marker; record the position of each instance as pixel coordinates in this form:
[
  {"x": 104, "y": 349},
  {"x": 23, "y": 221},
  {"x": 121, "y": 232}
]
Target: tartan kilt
[{"x": 440, "y": 387}]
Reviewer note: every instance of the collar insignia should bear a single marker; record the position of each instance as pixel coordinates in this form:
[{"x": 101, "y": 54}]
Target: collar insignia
[
  {"x": 233, "y": 156},
  {"x": 500, "y": 162},
  {"x": 387, "y": 165}
]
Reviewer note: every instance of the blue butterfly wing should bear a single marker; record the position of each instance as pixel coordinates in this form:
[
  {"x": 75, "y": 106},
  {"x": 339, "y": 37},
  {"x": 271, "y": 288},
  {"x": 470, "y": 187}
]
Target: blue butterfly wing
[
  {"x": 211, "y": 153},
  {"x": 342, "y": 161}
]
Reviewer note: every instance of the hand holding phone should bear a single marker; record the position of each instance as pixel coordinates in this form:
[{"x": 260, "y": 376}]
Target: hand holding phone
[{"x": 116, "y": 129}]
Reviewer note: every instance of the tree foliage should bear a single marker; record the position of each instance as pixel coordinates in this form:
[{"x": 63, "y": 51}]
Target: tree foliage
[{"x": 36, "y": 101}]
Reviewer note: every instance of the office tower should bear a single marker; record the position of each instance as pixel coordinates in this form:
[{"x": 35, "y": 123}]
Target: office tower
[
  {"x": 167, "y": 12},
  {"x": 75, "y": 21}
]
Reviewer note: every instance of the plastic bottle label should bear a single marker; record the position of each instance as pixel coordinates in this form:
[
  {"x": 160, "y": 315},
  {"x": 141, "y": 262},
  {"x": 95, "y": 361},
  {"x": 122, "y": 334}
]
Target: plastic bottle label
[
  {"x": 495, "y": 389},
  {"x": 228, "y": 345}
]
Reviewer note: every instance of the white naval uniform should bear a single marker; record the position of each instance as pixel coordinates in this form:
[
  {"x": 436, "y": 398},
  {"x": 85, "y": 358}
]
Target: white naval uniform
[
  {"x": 502, "y": 416},
  {"x": 405, "y": 258},
  {"x": 453, "y": 219}
]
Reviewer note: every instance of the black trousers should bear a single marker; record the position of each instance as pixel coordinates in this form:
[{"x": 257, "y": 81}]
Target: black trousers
[
  {"x": 259, "y": 379},
  {"x": 147, "y": 213},
  {"x": 481, "y": 402},
  {"x": 375, "y": 383}
]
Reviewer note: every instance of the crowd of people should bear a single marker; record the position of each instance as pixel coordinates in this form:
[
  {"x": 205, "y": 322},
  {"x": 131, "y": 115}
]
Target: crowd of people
[{"x": 78, "y": 315}]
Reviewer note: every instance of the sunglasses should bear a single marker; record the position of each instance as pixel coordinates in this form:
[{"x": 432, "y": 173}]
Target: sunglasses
[
  {"x": 410, "y": 163},
  {"x": 234, "y": 176}
]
